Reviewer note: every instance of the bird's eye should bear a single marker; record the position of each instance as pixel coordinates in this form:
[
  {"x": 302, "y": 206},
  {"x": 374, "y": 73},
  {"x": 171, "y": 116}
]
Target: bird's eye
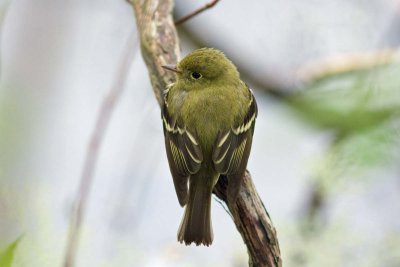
[{"x": 196, "y": 75}]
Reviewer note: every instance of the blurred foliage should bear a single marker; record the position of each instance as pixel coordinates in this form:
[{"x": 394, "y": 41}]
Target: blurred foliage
[
  {"x": 7, "y": 255},
  {"x": 353, "y": 101},
  {"x": 338, "y": 245},
  {"x": 362, "y": 109}
]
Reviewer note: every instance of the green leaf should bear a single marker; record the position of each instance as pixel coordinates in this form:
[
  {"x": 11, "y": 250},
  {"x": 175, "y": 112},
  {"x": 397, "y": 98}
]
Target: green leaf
[
  {"x": 352, "y": 101},
  {"x": 362, "y": 108},
  {"x": 7, "y": 255}
]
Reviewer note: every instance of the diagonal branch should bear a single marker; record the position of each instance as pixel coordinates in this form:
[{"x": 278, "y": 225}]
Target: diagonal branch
[
  {"x": 92, "y": 153},
  {"x": 160, "y": 45},
  {"x": 196, "y": 12},
  {"x": 253, "y": 222}
]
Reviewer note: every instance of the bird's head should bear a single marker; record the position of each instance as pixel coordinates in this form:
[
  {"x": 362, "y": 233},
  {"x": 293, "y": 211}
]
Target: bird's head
[{"x": 203, "y": 67}]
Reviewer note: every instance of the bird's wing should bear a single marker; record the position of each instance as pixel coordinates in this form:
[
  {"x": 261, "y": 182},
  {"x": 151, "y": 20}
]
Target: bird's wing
[
  {"x": 183, "y": 152},
  {"x": 232, "y": 148}
]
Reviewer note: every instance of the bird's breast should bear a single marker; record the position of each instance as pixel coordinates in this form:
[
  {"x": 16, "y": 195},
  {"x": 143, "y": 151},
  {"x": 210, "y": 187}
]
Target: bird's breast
[{"x": 208, "y": 113}]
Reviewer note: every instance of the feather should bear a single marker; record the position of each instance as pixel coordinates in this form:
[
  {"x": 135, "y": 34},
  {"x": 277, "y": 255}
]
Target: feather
[
  {"x": 232, "y": 148},
  {"x": 183, "y": 152}
]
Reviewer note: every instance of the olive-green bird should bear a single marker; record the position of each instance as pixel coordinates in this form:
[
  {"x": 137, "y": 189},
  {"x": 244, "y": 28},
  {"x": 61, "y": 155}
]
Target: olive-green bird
[{"x": 208, "y": 118}]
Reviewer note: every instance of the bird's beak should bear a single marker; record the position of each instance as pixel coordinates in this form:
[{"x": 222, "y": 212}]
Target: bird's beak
[{"x": 171, "y": 68}]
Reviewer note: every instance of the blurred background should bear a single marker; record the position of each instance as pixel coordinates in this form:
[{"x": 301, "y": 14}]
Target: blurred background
[{"x": 325, "y": 157}]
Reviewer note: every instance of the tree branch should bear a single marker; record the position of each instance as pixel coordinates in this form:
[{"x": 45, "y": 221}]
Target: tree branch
[
  {"x": 196, "y": 12},
  {"x": 92, "y": 153},
  {"x": 253, "y": 222},
  {"x": 160, "y": 45}
]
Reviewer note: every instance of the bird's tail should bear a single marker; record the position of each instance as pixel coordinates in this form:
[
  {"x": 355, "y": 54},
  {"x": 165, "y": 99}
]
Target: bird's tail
[{"x": 196, "y": 223}]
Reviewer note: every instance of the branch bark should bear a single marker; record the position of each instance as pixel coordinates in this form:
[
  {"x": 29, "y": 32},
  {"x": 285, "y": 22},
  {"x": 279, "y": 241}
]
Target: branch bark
[
  {"x": 160, "y": 45},
  {"x": 253, "y": 222}
]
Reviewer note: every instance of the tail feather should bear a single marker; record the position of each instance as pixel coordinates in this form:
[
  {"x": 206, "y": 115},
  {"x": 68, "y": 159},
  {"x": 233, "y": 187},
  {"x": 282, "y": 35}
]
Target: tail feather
[{"x": 196, "y": 223}]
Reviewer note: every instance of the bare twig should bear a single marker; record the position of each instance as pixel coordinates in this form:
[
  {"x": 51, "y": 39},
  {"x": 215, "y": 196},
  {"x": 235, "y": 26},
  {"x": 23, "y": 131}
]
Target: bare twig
[
  {"x": 92, "y": 153},
  {"x": 160, "y": 45},
  {"x": 315, "y": 70},
  {"x": 223, "y": 205},
  {"x": 196, "y": 12}
]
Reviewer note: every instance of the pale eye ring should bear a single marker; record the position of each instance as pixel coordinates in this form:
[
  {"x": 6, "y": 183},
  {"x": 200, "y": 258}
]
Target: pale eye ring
[{"x": 195, "y": 75}]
